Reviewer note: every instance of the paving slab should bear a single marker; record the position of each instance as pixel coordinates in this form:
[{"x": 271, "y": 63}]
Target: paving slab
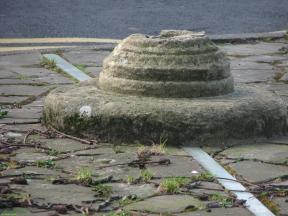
[
  {"x": 252, "y": 76},
  {"x": 86, "y": 57},
  {"x": 270, "y": 59},
  {"x": 180, "y": 166},
  {"x": 239, "y": 63},
  {"x": 282, "y": 202},
  {"x": 260, "y": 48},
  {"x": 255, "y": 171},
  {"x": 260, "y": 151},
  {"x": 13, "y": 121},
  {"x": 21, "y": 128},
  {"x": 10, "y": 100},
  {"x": 95, "y": 71},
  {"x": 20, "y": 59},
  {"x": 30, "y": 155},
  {"x": 141, "y": 191},
  {"x": 58, "y": 194},
  {"x": 59, "y": 144},
  {"x": 23, "y": 90},
  {"x": 220, "y": 212},
  {"x": 166, "y": 204}
]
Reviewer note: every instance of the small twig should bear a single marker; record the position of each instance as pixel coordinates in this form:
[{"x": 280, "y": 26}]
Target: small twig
[
  {"x": 71, "y": 137},
  {"x": 30, "y": 132}
]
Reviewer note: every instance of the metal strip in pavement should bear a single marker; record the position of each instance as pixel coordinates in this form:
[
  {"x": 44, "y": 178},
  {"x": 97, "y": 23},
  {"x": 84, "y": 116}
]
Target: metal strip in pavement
[
  {"x": 252, "y": 203},
  {"x": 67, "y": 67}
]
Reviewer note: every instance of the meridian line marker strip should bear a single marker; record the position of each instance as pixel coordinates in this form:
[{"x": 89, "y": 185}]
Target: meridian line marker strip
[
  {"x": 67, "y": 67},
  {"x": 252, "y": 203}
]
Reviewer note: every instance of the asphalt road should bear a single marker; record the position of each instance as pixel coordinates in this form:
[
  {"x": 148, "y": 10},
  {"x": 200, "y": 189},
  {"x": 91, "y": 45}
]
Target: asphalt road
[{"x": 119, "y": 18}]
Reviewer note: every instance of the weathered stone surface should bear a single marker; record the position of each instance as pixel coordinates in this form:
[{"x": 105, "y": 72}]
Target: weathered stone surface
[
  {"x": 95, "y": 71},
  {"x": 6, "y": 74},
  {"x": 220, "y": 212},
  {"x": 21, "y": 127},
  {"x": 173, "y": 64},
  {"x": 32, "y": 170},
  {"x": 180, "y": 166},
  {"x": 166, "y": 204},
  {"x": 141, "y": 191},
  {"x": 58, "y": 194},
  {"x": 23, "y": 90},
  {"x": 30, "y": 155},
  {"x": 240, "y": 64},
  {"x": 20, "y": 59},
  {"x": 251, "y": 76},
  {"x": 19, "y": 121},
  {"x": 13, "y": 99},
  {"x": 246, "y": 112},
  {"x": 255, "y": 171},
  {"x": 260, "y": 151},
  {"x": 59, "y": 144},
  {"x": 260, "y": 48},
  {"x": 86, "y": 57},
  {"x": 282, "y": 202},
  {"x": 25, "y": 113}
]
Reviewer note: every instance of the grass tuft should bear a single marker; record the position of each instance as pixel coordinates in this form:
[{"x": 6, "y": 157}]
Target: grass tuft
[
  {"x": 46, "y": 164},
  {"x": 172, "y": 185},
  {"x": 146, "y": 175},
  {"x": 84, "y": 175}
]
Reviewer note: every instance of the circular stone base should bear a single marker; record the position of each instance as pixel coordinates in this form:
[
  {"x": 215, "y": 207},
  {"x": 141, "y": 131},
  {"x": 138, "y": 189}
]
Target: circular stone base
[{"x": 90, "y": 112}]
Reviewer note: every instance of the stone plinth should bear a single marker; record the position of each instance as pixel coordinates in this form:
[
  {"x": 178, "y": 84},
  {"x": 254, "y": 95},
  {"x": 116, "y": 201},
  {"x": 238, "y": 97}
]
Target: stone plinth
[
  {"x": 177, "y": 85},
  {"x": 175, "y": 64}
]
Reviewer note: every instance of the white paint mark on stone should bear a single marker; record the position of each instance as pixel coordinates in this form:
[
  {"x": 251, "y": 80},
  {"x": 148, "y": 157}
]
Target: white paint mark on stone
[
  {"x": 194, "y": 172},
  {"x": 85, "y": 111}
]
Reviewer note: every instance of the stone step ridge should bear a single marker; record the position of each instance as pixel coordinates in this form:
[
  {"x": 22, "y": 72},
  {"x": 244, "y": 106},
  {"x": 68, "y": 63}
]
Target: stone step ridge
[{"x": 174, "y": 64}]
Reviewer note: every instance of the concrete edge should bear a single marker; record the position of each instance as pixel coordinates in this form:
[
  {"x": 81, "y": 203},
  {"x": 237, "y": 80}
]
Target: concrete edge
[{"x": 244, "y": 37}]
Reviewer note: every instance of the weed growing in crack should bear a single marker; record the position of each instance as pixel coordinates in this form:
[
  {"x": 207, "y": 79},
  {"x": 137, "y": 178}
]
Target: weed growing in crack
[
  {"x": 49, "y": 64},
  {"x": 266, "y": 199},
  {"x": 53, "y": 152},
  {"x": 103, "y": 190},
  {"x": 224, "y": 201},
  {"x": 130, "y": 180},
  {"x": 147, "y": 151},
  {"x": 146, "y": 175},
  {"x": 46, "y": 164},
  {"x": 9, "y": 165},
  {"x": 172, "y": 185},
  {"x": 205, "y": 176},
  {"x": 84, "y": 175},
  {"x": 3, "y": 112}
]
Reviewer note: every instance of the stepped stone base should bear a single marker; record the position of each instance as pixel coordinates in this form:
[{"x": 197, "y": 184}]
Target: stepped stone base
[{"x": 91, "y": 112}]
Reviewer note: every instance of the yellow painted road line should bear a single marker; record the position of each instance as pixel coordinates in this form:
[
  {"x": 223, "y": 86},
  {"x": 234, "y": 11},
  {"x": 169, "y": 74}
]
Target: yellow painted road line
[
  {"x": 10, "y": 49},
  {"x": 58, "y": 40}
]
